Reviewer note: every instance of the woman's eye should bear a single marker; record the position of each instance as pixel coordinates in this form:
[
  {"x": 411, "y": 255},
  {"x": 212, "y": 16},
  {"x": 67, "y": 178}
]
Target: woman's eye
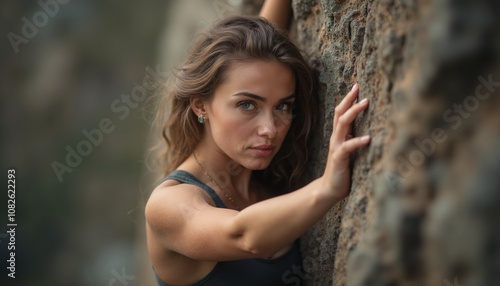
[
  {"x": 285, "y": 106},
  {"x": 246, "y": 105}
]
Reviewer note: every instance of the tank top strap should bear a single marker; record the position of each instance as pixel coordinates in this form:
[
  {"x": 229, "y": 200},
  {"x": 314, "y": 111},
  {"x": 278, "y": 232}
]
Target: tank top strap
[{"x": 188, "y": 178}]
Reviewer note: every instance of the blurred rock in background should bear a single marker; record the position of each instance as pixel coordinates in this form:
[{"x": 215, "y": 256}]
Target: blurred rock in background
[{"x": 75, "y": 134}]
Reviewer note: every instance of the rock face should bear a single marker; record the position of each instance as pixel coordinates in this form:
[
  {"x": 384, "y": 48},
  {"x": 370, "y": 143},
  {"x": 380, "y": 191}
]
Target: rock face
[{"x": 424, "y": 207}]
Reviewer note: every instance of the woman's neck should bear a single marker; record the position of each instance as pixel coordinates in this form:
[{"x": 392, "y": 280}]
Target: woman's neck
[{"x": 229, "y": 175}]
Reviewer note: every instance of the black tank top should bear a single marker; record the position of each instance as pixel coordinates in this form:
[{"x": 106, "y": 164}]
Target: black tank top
[{"x": 284, "y": 270}]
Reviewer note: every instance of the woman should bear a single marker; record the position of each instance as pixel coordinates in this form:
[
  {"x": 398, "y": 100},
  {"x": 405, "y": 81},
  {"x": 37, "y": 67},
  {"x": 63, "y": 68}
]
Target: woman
[{"x": 242, "y": 107}]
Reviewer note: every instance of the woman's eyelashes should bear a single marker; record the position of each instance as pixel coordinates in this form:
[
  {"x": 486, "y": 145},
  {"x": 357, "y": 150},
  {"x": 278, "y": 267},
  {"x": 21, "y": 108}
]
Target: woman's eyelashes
[
  {"x": 285, "y": 106},
  {"x": 247, "y": 105},
  {"x": 252, "y": 106}
]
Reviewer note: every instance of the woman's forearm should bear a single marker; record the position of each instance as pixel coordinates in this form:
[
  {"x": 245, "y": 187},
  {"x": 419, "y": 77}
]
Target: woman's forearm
[
  {"x": 268, "y": 226},
  {"x": 277, "y": 12}
]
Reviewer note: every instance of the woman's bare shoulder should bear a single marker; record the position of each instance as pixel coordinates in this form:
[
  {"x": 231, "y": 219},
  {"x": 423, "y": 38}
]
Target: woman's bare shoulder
[{"x": 170, "y": 199}]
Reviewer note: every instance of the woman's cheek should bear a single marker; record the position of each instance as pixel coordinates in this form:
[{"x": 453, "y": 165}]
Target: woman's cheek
[{"x": 286, "y": 126}]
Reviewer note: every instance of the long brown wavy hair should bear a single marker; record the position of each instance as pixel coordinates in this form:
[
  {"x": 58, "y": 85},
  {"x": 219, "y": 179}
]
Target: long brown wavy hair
[{"x": 236, "y": 38}]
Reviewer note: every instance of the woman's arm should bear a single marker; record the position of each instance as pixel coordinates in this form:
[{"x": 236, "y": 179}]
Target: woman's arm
[
  {"x": 185, "y": 223},
  {"x": 277, "y": 12}
]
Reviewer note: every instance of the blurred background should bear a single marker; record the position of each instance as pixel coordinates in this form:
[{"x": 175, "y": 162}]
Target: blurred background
[{"x": 76, "y": 82}]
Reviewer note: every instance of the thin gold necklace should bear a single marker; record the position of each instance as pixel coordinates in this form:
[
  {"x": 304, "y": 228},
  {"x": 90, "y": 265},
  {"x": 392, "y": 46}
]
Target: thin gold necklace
[{"x": 215, "y": 183}]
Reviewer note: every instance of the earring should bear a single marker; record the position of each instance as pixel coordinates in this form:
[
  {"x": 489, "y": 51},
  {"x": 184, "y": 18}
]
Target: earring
[{"x": 201, "y": 119}]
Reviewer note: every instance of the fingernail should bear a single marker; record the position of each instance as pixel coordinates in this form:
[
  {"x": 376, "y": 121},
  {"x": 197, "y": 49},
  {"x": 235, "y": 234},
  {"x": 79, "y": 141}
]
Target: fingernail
[
  {"x": 365, "y": 138},
  {"x": 354, "y": 86},
  {"x": 364, "y": 101}
]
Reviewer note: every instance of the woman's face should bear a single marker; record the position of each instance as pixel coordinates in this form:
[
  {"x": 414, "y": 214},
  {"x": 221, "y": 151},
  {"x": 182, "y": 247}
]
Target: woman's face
[{"x": 251, "y": 111}]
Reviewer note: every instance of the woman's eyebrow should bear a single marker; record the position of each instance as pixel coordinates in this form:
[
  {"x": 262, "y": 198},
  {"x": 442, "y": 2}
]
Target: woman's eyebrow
[
  {"x": 288, "y": 97},
  {"x": 260, "y": 98}
]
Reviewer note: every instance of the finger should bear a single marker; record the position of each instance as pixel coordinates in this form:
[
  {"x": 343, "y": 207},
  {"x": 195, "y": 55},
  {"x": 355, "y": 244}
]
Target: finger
[
  {"x": 349, "y": 131},
  {"x": 349, "y": 146},
  {"x": 344, "y": 124},
  {"x": 345, "y": 104}
]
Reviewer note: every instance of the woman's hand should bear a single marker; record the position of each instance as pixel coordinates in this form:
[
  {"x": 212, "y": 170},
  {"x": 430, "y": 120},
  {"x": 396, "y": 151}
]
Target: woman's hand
[{"x": 336, "y": 177}]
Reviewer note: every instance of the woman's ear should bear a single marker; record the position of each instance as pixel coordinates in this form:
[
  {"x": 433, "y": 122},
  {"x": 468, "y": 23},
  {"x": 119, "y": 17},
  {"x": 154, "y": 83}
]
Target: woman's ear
[{"x": 198, "y": 106}]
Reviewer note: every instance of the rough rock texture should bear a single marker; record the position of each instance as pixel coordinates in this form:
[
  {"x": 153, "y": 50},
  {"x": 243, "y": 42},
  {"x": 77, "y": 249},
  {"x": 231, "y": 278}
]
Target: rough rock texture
[{"x": 424, "y": 207}]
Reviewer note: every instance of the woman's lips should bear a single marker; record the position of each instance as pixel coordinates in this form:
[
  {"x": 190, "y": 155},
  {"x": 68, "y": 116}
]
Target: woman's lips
[{"x": 263, "y": 150}]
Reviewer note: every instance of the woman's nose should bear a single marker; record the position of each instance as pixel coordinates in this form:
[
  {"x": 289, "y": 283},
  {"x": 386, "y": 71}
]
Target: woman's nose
[{"x": 268, "y": 126}]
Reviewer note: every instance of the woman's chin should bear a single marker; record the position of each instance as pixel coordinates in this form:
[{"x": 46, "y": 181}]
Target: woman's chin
[{"x": 257, "y": 165}]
